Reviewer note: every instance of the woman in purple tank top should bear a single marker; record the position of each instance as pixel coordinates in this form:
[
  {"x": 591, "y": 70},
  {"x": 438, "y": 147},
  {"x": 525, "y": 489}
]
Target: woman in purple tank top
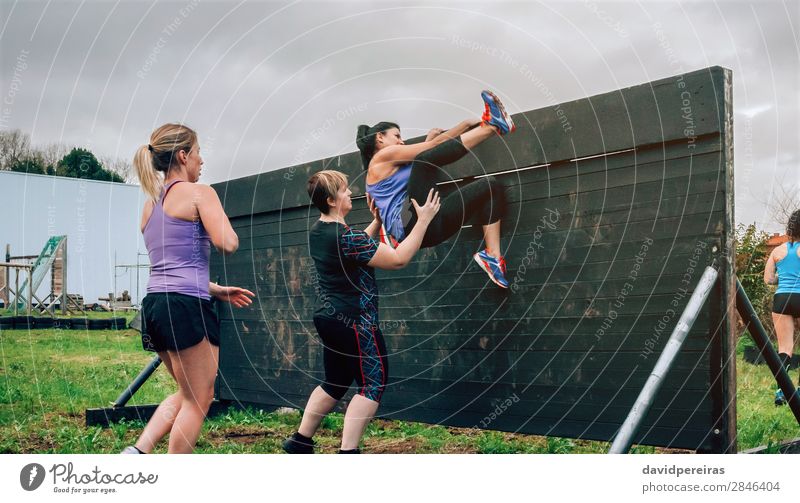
[{"x": 180, "y": 222}]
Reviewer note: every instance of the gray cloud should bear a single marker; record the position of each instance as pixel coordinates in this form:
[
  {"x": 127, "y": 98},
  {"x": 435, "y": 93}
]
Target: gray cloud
[{"x": 269, "y": 84}]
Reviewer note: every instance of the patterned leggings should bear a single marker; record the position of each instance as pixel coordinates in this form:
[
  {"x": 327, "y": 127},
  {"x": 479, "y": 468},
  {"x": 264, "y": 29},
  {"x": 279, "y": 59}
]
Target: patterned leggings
[{"x": 353, "y": 351}]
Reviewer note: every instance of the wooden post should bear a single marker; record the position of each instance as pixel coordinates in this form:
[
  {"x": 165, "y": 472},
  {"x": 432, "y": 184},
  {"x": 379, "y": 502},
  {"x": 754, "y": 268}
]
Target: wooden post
[
  {"x": 30, "y": 291},
  {"x": 16, "y": 291},
  {"x": 64, "y": 308},
  {"x": 8, "y": 271}
]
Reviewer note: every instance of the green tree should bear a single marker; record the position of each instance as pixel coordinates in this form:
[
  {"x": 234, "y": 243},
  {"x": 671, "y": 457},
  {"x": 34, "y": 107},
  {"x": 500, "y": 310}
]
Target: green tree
[
  {"x": 80, "y": 163},
  {"x": 31, "y": 165},
  {"x": 751, "y": 257}
]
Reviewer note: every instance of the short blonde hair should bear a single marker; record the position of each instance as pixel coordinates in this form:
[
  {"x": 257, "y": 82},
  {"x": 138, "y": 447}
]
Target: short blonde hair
[{"x": 324, "y": 184}]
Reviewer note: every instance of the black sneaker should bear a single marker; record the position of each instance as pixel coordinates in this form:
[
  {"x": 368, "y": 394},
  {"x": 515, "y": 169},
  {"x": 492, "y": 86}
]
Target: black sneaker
[
  {"x": 297, "y": 445},
  {"x": 350, "y": 451}
]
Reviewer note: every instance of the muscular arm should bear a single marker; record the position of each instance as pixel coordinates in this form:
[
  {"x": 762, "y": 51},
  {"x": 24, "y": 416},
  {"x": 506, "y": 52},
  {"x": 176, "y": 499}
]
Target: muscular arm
[
  {"x": 401, "y": 154},
  {"x": 146, "y": 212},
  {"x": 373, "y": 228},
  {"x": 770, "y": 276},
  {"x": 215, "y": 220},
  {"x": 388, "y": 258}
]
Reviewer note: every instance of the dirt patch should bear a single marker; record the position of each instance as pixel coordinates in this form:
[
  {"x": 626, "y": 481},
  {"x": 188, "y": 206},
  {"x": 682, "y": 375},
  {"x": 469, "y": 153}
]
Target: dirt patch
[
  {"x": 241, "y": 434},
  {"x": 394, "y": 446}
]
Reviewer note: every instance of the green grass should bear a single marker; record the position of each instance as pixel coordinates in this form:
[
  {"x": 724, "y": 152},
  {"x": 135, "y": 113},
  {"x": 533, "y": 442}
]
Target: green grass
[
  {"x": 92, "y": 315},
  {"x": 49, "y": 377}
]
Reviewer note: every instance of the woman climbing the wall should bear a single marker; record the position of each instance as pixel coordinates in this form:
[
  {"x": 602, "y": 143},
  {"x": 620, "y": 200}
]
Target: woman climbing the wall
[
  {"x": 783, "y": 269},
  {"x": 346, "y": 317},
  {"x": 180, "y": 221},
  {"x": 397, "y": 172}
]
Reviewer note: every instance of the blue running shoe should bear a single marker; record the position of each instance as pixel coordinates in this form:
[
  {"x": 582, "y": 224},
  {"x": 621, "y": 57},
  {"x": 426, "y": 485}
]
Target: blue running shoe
[
  {"x": 780, "y": 398},
  {"x": 495, "y": 267},
  {"x": 496, "y": 115}
]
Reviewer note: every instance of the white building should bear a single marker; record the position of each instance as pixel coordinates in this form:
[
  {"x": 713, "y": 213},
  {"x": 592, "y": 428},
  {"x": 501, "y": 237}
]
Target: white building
[{"x": 100, "y": 219}]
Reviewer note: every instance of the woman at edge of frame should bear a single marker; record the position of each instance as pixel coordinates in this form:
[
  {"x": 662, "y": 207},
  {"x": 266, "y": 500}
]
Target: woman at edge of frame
[{"x": 783, "y": 269}]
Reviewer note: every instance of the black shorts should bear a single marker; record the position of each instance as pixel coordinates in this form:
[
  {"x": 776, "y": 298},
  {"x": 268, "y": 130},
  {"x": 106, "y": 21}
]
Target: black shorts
[
  {"x": 786, "y": 303},
  {"x": 174, "y": 321},
  {"x": 352, "y": 352}
]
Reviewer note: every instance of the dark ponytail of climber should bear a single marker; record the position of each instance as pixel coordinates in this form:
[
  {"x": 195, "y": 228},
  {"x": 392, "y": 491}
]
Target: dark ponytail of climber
[
  {"x": 793, "y": 226},
  {"x": 365, "y": 139}
]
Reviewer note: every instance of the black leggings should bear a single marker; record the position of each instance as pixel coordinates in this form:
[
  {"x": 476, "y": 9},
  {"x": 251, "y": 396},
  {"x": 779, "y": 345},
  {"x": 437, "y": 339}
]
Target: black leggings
[
  {"x": 482, "y": 200},
  {"x": 351, "y": 352}
]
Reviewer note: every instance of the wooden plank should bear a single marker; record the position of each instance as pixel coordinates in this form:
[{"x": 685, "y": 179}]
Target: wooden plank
[
  {"x": 526, "y": 402},
  {"x": 495, "y": 322},
  {"x": 599, "y": 394},
  {"x": 645, "y": 163},
  {"x": 682, "y": 437},
  {"x": 398, "y": 338},
  {"x": 265, "y": 264},
  {"x": 565, "y": 196}
]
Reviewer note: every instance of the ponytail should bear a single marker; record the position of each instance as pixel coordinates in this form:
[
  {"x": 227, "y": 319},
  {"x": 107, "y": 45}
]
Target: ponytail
[
  {"x": 365, "y": 139},
  {"x": 793, "y": 226},
  {"x": 150, "y": 180},
  {"x": 160, "y": 155}
]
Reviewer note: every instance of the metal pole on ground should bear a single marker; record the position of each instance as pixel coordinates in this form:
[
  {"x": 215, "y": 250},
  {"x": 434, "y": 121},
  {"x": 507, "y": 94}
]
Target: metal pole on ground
[
  {"x": 137, "y": 383},
  {"x": 759, "y": 335},
  {"x": 624, "y": 439}
]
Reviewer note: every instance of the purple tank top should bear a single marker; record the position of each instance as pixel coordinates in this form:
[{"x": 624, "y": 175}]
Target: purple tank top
[
  {"x": 179, "y": 251},
  {"x": 389, "y": 195}
]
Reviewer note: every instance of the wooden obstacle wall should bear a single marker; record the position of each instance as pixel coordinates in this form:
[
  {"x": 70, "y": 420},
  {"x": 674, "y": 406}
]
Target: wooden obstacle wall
[{"x": 617, "y": 203}]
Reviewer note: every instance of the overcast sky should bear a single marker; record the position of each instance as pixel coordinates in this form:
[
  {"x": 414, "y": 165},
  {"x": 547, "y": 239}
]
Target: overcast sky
[{"x": 270, "y": 84}]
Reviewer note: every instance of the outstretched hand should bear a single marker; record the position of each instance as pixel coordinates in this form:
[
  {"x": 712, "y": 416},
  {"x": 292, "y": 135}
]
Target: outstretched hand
[
  {"x": 426, "y": 212},
  {"x": 239, "y": 297},
  {"x": 433, "y": 133}
]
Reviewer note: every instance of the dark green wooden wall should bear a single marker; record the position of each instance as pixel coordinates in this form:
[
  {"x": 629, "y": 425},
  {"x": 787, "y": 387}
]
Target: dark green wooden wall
[{"x": 612, "y": 217}]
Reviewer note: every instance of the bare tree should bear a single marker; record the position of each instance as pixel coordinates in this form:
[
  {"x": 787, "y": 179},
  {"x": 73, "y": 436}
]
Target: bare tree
[
  {"x": 14, "y": 146},
  {"x": 784, "y": 201},
  {"x": 54, "y": 152},
  {"x": 122, "y": 167}
]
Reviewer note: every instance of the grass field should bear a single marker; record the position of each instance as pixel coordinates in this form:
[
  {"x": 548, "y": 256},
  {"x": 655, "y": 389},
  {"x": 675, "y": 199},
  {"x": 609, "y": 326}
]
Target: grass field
[
  {"x": 89, "y": 314},
  {"x": 49, "y": 377}
]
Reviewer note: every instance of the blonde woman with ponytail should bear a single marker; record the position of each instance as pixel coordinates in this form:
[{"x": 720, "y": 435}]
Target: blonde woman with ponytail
[{"x": 180, "y": 222}]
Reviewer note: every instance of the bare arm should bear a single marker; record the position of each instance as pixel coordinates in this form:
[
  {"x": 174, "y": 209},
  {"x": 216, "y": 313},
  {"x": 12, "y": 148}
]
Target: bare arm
[
  {"x": 239, "y": 297},
  {"x": 401, "y": 154},
  {"x": 216, "y": 221},
  {"x": 146, "y": 212},
  {"x": 388, "y": 258},
  {"x": 770, "y": 277},
  {"x": 375, "y": 226}
]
